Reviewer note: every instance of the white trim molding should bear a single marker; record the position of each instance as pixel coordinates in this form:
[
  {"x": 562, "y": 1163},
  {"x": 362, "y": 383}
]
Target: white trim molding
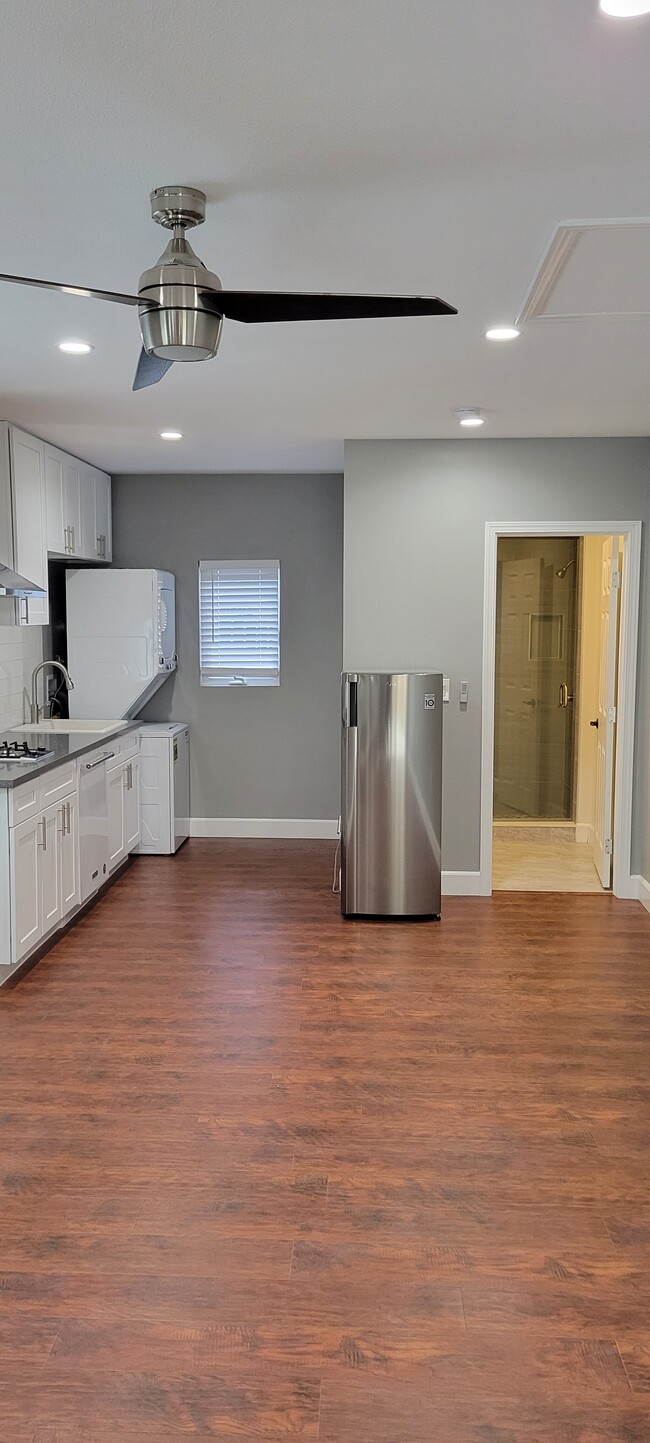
[
  {"x": 461, "y": 884},
  {"x": 298, "y": 827},
  {"x": 642, "y": 891},
  {"x": 623, "y": 882}
]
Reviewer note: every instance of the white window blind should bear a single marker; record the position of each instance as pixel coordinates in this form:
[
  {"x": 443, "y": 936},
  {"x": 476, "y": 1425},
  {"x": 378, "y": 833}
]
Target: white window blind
[{"x": 239, "y": 623}]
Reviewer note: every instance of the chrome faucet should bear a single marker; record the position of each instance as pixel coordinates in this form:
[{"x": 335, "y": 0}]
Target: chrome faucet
[{"x": 35, "y": 710}]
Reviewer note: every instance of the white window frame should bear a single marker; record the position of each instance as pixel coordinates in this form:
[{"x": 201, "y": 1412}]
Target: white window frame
[{"x": 246, "y": 675}]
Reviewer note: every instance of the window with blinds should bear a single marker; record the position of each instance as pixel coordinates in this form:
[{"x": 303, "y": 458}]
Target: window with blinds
[{"x": 239, "y": 623}]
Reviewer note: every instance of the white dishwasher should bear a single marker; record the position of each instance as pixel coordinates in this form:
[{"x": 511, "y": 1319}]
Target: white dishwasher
[{"x": 93, "y": 821}]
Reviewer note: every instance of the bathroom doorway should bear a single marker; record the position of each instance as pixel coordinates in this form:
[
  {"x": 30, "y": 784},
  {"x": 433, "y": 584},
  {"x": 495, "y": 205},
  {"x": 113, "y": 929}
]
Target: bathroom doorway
[{"x": 556, "y": 661}]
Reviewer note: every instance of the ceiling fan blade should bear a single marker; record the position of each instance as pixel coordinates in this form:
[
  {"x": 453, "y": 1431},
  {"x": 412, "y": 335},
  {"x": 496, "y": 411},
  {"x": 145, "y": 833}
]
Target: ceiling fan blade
[
  {"x": 252, "y": 306},
  {"x": 81, "y": 291},
  {"x": 149, "y": 370}
]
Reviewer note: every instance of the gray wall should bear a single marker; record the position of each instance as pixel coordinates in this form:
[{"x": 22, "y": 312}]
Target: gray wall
[
  {"x": 414, "y": 541},
  {"x": 261, "y": 751}
]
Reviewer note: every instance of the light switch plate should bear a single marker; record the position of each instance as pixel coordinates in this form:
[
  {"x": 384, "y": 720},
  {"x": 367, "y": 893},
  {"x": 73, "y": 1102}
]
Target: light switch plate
[
  {"x": 445, "y": 688},
  {"x": 464, "y": 694}
]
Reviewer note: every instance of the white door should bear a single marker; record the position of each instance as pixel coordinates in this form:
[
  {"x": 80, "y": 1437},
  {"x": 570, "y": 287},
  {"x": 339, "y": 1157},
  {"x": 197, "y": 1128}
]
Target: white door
[
  {"x": 609, "y": 619},
  {"x": 115, "y": 800},
  {"x": 25, "y": 851},
  {"x": 30, "y": 523},
  {"x": 518, "y": 691},
  {"x": 131, "y": 805},
  {"x": 50, "y": 869},
  {"x": 69, "y": 850}
]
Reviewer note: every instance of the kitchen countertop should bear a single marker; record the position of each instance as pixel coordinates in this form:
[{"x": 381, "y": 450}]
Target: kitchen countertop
[{"x": 62, "y": 745}]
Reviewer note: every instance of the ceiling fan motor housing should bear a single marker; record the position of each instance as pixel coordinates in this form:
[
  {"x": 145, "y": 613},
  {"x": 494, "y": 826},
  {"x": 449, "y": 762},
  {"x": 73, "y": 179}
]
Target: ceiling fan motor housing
[{"x": 182, "y": 326}]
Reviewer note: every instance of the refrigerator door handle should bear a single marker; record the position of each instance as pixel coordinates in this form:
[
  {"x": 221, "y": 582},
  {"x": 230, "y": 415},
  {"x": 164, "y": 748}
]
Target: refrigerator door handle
[{"x": 351, "y": 708}]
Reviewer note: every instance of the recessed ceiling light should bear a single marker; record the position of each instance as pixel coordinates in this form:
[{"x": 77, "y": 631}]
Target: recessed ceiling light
[
  {"x": 75, "y": 348},
  {"x": 171, "y": 435},
  {"x": 502, "y": 333},
  {"x": 624, "y": 8},
  {"x": 469, "y": 416}
]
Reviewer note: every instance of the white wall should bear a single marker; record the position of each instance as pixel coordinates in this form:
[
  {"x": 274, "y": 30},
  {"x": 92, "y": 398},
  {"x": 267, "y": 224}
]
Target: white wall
[
  {"x": 21, "y": 648},
  {"x": 414, "y": 546}
]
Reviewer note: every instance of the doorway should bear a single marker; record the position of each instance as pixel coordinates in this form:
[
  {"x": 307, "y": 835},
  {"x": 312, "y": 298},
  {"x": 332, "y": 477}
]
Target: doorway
[
  {"x": 555, "y": 681},
  {"x": 561, "y": 618}
]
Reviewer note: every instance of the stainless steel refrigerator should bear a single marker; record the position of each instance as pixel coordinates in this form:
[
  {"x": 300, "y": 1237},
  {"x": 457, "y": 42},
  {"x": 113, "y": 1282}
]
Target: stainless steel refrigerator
[{"x": 391, "y": 794}]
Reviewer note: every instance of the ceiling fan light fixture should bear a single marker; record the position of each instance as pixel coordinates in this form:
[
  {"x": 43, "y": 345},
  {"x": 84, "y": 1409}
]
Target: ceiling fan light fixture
[
  {"x": 75, "y": 348},
  {"x": 171, "y": 435},
  {"x": 502, "y": 333},
  {"x": 625, "y": 9},
  {"x": 469, "y": 416}
]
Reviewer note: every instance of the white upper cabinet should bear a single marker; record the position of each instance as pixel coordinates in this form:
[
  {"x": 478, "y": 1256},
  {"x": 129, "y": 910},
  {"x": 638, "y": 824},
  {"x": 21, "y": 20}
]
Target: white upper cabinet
[
  {"x": 78, "y": 508},
  {"x": 104, "y": 530},
  {"x": 27, "y": 461},
  {"x": 96, "y": 514},
  {"x": 63, "y": 503}
]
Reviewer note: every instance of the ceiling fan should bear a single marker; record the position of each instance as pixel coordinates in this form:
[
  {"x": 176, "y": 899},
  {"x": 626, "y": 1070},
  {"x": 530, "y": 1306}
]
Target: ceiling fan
[{"x": 181, "y": 304}]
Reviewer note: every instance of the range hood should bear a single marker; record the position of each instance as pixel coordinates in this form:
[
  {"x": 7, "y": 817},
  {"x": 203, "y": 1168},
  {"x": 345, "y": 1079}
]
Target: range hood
[{"x": 11, "y": 584}]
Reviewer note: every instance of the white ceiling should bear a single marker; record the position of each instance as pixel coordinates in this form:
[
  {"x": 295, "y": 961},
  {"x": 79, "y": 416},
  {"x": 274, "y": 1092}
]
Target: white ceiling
[{"x": 429, "y": 146}]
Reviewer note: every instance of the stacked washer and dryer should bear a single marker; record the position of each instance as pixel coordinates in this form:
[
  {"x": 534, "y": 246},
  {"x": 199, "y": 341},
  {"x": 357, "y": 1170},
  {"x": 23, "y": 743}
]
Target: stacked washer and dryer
[{"x": 121, "y": 628}]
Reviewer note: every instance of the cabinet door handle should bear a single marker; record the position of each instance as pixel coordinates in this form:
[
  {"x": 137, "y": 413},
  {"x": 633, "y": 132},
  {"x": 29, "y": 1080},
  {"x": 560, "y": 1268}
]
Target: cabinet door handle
[
  {"x": 73, "y": 544},
  {"x": 44, "y": 834}
]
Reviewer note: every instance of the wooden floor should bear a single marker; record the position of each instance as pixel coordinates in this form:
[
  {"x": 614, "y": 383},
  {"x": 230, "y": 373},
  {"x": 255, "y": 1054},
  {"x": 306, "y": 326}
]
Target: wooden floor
[{"x": 266, "y": 1173}]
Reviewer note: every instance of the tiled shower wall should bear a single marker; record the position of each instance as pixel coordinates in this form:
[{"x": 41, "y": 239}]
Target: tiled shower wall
[{"x": 21, "y": 647}]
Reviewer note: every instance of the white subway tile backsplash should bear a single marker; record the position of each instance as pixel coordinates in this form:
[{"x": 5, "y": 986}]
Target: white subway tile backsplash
[{"x": 21, "y": 648}]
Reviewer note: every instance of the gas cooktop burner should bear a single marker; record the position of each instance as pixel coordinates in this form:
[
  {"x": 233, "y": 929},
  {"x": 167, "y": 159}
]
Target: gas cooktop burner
[{"x": 21, "y": 752}]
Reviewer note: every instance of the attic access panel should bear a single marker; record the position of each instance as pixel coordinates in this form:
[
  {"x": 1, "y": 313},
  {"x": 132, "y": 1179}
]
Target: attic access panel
[{"x": 592, "y": 268}]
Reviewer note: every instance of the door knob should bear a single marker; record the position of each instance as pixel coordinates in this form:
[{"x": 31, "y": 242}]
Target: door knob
[
  {"x": 565, "y": 696},
  {"x": 594, "y": 724}
]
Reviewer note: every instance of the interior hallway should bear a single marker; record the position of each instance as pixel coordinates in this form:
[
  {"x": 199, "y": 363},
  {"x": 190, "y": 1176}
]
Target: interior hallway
[
  {"x": 267, "y": 1172},
  {"x": 538, "y": 859}
]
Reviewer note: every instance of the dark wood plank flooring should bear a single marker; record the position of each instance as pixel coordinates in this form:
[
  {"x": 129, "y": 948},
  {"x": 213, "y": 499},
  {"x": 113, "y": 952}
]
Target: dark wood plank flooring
[{"x": 264, "y": 1172}]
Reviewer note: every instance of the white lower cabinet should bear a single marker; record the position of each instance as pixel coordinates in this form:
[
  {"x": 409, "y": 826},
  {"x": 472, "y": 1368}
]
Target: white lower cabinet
[
  {"x": 41, "y": 850},
  {"x": 69, "y": 853},
  {"x": 116, "y": 837},
  {"x": 132, "y": 805},
  {"x": 25, "y": 885},
  {"x": 123, "y": 786},
  {"x": 50, "y": 868},
  {"x": 44, "y": 868}
]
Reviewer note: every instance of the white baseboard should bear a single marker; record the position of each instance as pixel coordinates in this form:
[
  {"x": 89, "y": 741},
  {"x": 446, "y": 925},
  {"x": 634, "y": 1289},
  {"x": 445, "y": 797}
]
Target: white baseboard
[
  {"x": 585, "y": 833},
  {"x": 298, "y": 827},
  {"x": 454, "y": 884},
  {"x": 642, "y": 891},
  {"x": 461, "y": 884}
]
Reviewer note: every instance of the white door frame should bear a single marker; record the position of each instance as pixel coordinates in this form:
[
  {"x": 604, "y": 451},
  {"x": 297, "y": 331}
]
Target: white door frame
[{"x": 623, "y": 883}]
